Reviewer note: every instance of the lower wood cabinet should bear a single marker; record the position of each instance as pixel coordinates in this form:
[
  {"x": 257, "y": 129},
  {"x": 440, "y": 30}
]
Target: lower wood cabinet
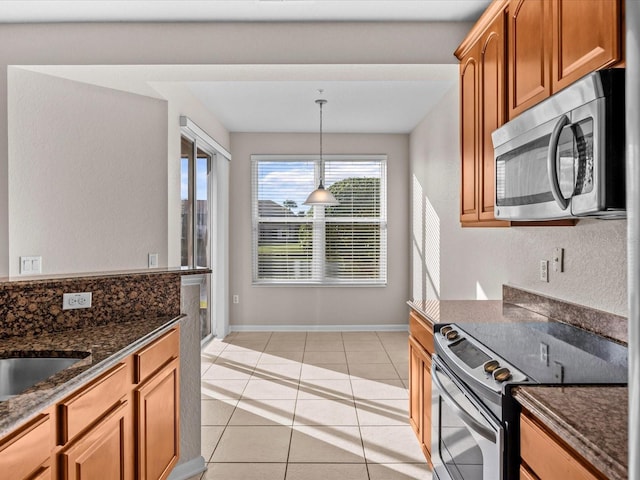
[
  {"x": 545, "y": 457},
  {"x": 120, "y": 426},
  {"x": 104, "y": 452},
  {"x": 420, "y": 381},
  {"x": 158, "y": 406}
]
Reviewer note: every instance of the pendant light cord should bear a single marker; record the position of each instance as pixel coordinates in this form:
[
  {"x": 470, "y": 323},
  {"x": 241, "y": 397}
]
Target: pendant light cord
[{"x": 321, "y": 103}]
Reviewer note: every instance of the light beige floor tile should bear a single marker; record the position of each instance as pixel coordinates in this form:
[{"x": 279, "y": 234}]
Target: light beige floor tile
[
  {"x": 273, "y": 358},
  {"x": 321, "y": 389},
  {"x": 251, "y": 337},
  {"x": 324, "y": 336},
  {"x": 402, "y": 369},
  {"x": 209, "y": 437},
  {"x": 333, "y": 371},
  {"x": 204, "y": 366},
  {"x": 278, "y": 371},
  {"x": 245, "y": 471},
  {"x": 214, "y": 347},
  {"x": 326, "y": 445},
  {"x": 368, "y": 357},
  {"x": 217, "y": 412},
  {"x": 383, "y": 412},
  {"x": 379, "y": 389},
  {"x": 246, "y": 358},
  {"x": 325, "y": 412},
  {"x": 324, "y": 357},
  {"x": 380, "y": 371},
  {"x": 399, "y": 344},
  {"x": 389, "y": 337},
  {"x": 358, "y": 346},
  {"x": 263, "y": 412},
  {"x": 399, "y": 355},
  {"x": 258, "y": 389},
  {"x": 360, "y": 336},
  {"x": 253, "y": 444},
  {"x": 223, "y": 389},
  {"x": 289, "y": 336},
  {"x": 228, "y": 371},
  {"x": 324, "y": 346},
  {"x": 285, "y": 346},
  {"x": 400, "y": 471},
  {"x": 246, "y": 346},
  {"x": 391, "y": 444},
  {"x": 327, "y": 471}
]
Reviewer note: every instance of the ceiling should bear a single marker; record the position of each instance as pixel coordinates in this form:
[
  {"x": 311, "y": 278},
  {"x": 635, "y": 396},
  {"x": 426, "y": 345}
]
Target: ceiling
[
  {"x": 361, "y": 99},
  {"x": 239, "y": 10}
]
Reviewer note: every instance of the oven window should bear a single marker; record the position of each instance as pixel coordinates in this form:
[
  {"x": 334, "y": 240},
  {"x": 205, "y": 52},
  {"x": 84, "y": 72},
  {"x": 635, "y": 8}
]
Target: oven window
[
  {"x": 459, "y": 451},
  {"x": 469, "y": 354}
]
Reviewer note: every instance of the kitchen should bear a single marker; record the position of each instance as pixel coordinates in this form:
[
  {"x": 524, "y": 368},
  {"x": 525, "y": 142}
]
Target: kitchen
[{"x": 469, "y": 264}]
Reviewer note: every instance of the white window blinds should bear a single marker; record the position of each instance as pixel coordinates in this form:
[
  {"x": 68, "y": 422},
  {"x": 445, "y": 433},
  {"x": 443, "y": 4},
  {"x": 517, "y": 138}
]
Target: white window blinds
[{"x": 295, "y": 243}]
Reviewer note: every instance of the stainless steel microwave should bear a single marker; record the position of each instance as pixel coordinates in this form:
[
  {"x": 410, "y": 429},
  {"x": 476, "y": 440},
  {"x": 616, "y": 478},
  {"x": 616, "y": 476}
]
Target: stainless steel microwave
[{"x": 565, "y": 157}]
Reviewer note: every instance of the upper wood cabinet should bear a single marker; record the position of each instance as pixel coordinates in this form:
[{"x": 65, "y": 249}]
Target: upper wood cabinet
[
  {"x": 482, "y": 110},
  {"x": 587, "y": 36},
  {"x": 529, "y": 53},
  {"x": 519, "y": 53}
]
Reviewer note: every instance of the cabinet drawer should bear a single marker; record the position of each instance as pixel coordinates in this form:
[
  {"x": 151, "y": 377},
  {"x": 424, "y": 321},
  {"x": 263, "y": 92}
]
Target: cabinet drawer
[
  {"x": 156, "y": 354},
  {"x": 547, "y": 458},
  {"x": 421, "y": 331},
  {"x": 89, "y": 404},
  {"x": 24, "y": 451}
]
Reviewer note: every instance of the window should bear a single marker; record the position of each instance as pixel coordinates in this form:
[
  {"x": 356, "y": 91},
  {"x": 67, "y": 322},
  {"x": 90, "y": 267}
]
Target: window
[{"x": 297, "y": 244}]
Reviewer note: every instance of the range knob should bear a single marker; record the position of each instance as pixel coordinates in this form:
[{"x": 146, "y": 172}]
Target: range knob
[
  {"x": 445, "y": 330},
  {"x": 501, "y": 374},
  {"x": 452, "y": 335},
  {"x": 491, "y": 365}
]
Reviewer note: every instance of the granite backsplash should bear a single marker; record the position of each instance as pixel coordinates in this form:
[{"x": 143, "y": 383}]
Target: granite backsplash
[
  {"x": 609, "y": 325},
  {"x": 35, "y": 307}
]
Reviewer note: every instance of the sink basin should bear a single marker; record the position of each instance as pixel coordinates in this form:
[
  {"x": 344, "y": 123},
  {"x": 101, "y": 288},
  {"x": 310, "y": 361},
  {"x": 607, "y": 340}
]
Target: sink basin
[{"x": 19, "y": 373}]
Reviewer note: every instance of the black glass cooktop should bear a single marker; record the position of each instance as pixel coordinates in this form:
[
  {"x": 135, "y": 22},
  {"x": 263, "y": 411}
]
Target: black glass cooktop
[{"x": 552, "y": 353}]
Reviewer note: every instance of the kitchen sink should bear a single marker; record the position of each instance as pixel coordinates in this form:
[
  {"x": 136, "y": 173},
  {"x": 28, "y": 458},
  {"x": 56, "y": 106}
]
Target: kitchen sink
[{"x": 17, "y": 374}]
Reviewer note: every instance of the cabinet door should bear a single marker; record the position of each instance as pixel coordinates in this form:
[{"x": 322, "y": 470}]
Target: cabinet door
[
  {"x": 529, "y": 53},
  {"x": 426, "y": 405},
  {"x": 24, "y": 451},
  {"x": 415, "y": 387},
  {"x": 103, "y": 452},
  {"x": 492, "y": 109},
  {"x": 157, "y": 402},
  {"x": 469, "y": 105},
  {"x": 525, "y": 474},
  {"x": 44, "y": 473},
  {"x": 586, "y": 37}
]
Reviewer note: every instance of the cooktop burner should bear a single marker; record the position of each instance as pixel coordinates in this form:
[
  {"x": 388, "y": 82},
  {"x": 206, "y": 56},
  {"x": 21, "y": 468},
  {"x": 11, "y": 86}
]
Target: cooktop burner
[{"x": 552, "y": 352}]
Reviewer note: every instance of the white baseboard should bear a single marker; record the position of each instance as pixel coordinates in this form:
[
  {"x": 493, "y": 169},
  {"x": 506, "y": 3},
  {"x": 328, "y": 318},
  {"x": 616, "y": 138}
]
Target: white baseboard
[
  {"x": 192, "y": 468},
  {"x": 402, "y": 327}
]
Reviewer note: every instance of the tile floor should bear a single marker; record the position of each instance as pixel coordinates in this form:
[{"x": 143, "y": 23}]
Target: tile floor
[{"x": 307, "y": 406}]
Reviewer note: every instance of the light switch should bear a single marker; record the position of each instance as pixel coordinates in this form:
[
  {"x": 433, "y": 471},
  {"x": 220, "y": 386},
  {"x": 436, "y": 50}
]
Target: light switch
[{"x": 30, "y": 265}]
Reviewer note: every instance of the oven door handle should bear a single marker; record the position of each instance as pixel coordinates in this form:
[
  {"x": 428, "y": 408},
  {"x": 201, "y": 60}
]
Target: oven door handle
[
  {"x": 471, "y": 422},
  {"x": 552, "y": 169}
]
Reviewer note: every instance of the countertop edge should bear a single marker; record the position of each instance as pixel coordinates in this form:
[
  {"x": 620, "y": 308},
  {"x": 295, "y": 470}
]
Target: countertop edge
[
  {"x": 591, "y": 452},
  {"x": 86, "y": 376}
]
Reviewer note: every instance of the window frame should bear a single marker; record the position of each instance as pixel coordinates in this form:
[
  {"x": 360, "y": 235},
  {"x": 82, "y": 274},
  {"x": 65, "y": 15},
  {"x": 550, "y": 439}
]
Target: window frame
[{"x": 318, "y": 223}]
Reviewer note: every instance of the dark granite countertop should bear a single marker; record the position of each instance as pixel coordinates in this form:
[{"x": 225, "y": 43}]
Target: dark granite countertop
[
  {"x": 592, "y": 420},
  {"x": 476, "y": 311},
  {"x": 106, "y": 344}
]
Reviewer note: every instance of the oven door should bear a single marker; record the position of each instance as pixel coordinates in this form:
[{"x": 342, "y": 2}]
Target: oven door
[{"x": 467, "y": 440}]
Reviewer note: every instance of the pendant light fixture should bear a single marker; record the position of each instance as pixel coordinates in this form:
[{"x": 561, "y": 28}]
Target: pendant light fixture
[{"x": 321, "y": 196}]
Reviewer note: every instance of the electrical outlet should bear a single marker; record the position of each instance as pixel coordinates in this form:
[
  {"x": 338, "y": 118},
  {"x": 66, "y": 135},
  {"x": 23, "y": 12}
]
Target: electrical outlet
[
  {"x": 558, "y": 260},
  {"x": 71, "y": 301},
  {"x": 544, "y": 270},
  {"x": 236, "y": 299},
  {"x": 544, "y": 353}
]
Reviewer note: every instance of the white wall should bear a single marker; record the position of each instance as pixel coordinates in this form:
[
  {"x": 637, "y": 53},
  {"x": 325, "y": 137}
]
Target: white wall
[
  {"x": 88, "y": 175},
  {"x": 200, "y": 43},
  {"x": 313, "y": 306},
  {"x": 450, "y": 262}
]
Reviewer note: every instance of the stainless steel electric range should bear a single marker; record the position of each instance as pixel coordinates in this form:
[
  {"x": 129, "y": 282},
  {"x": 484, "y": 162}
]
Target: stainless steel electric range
[{"x": 475, "y": 427}]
